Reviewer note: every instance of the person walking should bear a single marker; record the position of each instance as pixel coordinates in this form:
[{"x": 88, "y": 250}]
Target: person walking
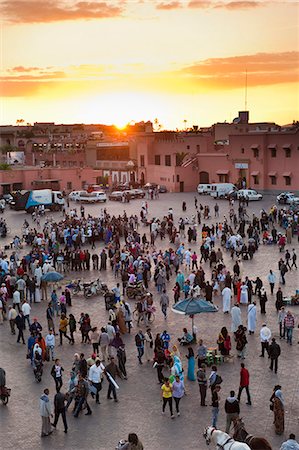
[
  {"x": 63, "y": 323},
  {"x": 290, "y": 444},
  {"x": 59, "y": 409},
  {"x": 232, "y": 409},
  {"x": 50, "y": 345},
  {"x": 281, "y": 316},
  {"x": 12, "y": 314},
  {"x": 139, "y": 341},
  {"x": 274, "y": 353},
  {"x": 164, "y": 303},
  {"x": 166, "y": 392},
  {"x": 289, "y": 324},
  {"x": 263, "y": 300},
  {"x": 244, "y": 383},
  {"x": 251, "y": 318},
  {"x": 104, "y": 343},
  {"x": 26, "y": 308},
  {"x": 294, "y": 259},
  {"x": 56, "y": 373},
  {"x": 236, "y": 317},
  {"x": 149, "y": 344},
  {"x": 272, "y": 280},
  {"x": 45, "y": 412},
  {"x": 113, "y": 371},
  {"x": 20, "y": 324},
  {"x": 202, "y": 384},
  {"x": 226, "y": 299},
  {"x": 215, "y": 405},
  {"x": 95, "y": 378},
  {"x": 178, "y": 391},
  {"x": 277, "y": 406},
  {"x": 279, "y": 299},
  {"x": 265, "y": 336},
  {"x": 81, "y": 394}
]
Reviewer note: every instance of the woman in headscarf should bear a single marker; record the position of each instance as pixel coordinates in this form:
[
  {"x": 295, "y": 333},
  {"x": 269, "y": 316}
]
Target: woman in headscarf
[
  {"x": 177, "y": 368},
  {"x": 120, "y": 318},
  {"x": 42, "y": 343},
  {"x": 191, "y": 364},
  {"x": 278, "y": 410}
]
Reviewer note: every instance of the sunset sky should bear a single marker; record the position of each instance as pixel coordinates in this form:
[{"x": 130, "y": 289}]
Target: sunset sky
[{"x": 117, "y": 61}]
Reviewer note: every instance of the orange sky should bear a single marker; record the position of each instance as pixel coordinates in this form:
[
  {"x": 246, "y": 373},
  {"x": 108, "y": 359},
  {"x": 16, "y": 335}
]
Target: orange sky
[{"x": 117, "y": 61}]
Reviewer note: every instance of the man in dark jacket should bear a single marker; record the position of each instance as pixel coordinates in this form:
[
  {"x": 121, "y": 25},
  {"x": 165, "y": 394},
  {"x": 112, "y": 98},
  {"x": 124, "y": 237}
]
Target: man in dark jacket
[
  {"x": 274, "y": 352},
  {"x": 232, "y": 409},
  {"x": 279, "y": 300},
  {"x": 59, "y": 408},
  {"x": 20, "y": 323}
]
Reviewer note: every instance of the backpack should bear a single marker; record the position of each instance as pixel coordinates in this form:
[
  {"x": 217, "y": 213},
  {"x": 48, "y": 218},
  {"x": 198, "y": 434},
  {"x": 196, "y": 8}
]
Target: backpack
[{"x": 218, "y": 380}]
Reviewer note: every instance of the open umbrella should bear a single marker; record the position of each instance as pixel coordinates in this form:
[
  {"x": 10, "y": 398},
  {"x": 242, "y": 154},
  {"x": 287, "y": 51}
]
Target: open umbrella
[
  {"x": 52, "y": 277},
  {"x": 193, "y": 305}
]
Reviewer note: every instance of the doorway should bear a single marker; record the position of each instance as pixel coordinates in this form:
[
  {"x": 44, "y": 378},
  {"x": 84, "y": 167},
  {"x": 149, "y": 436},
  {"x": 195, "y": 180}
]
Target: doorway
[{"x": 181, "y": 186}]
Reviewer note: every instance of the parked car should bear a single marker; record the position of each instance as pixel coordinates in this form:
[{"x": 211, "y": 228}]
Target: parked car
[
  {"x": 251, "y": 194},
  {"x": 7, "y": 197},
  {"x": 137, "y": 193},
  {"x": 221, "y": 190},
  {"x": 116, "y": 196},
  {"x": 162, "y": 189},
  {"x": 92, "y": 197},
  {"x": 74, "y": 196},
  {"x": 287, "y": 198}
]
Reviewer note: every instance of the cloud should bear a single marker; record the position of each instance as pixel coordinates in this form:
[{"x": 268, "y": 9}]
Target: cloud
[
  {"x": 263, "y": 69},
  {"x": 229, "y": 73},
  {"x": 239, "y": 5},
  {"x": 46, "y": 11},
  {"x": 169, "y": 6},
  {"x": 233, "y": 5}
]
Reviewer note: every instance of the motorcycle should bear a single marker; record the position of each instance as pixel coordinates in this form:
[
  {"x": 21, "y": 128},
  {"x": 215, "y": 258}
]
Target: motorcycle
[
  {"x": 135, "y": 290},
  {"x": 4, "y": 394},
  {"x": 94, "y": 288},
  {"x": 77, "y": 287}
]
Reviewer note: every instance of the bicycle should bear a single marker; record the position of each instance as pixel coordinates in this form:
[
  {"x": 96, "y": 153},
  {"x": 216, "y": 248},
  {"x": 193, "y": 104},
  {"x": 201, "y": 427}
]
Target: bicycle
[{"x": 150, "y": 315}]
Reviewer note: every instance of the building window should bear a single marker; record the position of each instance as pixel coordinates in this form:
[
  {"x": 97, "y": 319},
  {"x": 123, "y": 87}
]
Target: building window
[
  {"x": 287, "y": 152},
  {"x": 142, "y": 160},
  {"x": 188, "y": 147},
  {"x": 177, "y": 178},
  {"x": 167, "y": 160},
  {"x": 287, "y": 181},
  {"x": 256, "y": 152},
  {"x": 223, "y": 178},
  {"x": 81, "y": 163},
  {"x": 69, "y": 185},
  {"x": 157, "y": 160},
  {"x": 242, "y": 150},
  {"x": 273, "y": 152},
  {"x": 198, "y": 147},
  {"x": 256, "y": 179},
  {"x": 273, "y": 180}
]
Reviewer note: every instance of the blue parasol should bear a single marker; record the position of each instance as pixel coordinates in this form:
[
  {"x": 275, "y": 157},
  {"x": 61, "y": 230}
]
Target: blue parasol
[
  {"x": 191, "y": 306},
  {"x": 52, "y": 277}
]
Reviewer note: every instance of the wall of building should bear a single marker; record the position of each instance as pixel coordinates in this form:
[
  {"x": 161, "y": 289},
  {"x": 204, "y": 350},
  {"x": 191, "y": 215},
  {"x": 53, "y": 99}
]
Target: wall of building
[{"x": 69, "y": 179}]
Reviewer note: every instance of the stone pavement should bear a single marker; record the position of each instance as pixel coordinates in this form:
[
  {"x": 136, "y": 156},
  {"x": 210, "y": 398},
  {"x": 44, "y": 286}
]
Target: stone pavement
[{"x": 139, "y": 407}]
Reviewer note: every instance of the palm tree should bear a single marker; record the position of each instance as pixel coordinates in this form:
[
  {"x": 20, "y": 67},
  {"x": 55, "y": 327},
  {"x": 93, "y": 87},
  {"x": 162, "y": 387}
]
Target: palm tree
[{"x": 179, "y": 158}]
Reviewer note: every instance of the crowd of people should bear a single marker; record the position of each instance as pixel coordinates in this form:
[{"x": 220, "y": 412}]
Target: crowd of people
[{"x": 205, "y": 258}]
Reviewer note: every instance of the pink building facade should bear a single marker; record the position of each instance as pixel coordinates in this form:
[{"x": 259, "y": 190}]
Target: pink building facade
[
  {"x": 63, "y": 179},
  {"x": 265, "y": 157}
]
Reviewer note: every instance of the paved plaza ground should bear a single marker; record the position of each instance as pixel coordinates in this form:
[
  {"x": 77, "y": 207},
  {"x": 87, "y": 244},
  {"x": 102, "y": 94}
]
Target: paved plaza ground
[{"x": 139, "y": 407}]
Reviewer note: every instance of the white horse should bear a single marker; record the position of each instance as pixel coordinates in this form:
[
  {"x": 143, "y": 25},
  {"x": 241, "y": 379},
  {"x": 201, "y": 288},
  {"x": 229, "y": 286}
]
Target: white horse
[{"x": 222, "y": 440}]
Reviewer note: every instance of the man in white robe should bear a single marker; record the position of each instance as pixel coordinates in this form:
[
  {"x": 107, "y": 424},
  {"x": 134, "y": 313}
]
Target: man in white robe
[
  {"x": 251, "y": 318},
  {"x": 226, "y": 298},
  {"x": 236, "y": 317}
]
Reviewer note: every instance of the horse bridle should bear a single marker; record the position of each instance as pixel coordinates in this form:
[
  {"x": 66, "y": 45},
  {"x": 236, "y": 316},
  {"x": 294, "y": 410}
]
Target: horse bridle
[{"x": 221, "y": 446}]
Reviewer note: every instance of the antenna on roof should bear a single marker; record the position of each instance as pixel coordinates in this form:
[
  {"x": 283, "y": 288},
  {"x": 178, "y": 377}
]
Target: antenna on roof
[{"x": 246, "y": 90}]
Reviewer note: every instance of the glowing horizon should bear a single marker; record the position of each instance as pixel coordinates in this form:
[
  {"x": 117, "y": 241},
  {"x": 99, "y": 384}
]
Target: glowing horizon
[{"x": 118, "y": 61}]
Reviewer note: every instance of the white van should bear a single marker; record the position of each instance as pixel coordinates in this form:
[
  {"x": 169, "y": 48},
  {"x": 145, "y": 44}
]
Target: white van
[
  {"x": 92, "y": 197},
  {"x": 221, "y": 190},
  {"x": 204, "y": 188}
]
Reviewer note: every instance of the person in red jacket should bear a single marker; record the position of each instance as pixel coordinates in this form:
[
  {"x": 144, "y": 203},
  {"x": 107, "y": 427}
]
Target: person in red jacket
[{"x": 244, "y": 383}]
